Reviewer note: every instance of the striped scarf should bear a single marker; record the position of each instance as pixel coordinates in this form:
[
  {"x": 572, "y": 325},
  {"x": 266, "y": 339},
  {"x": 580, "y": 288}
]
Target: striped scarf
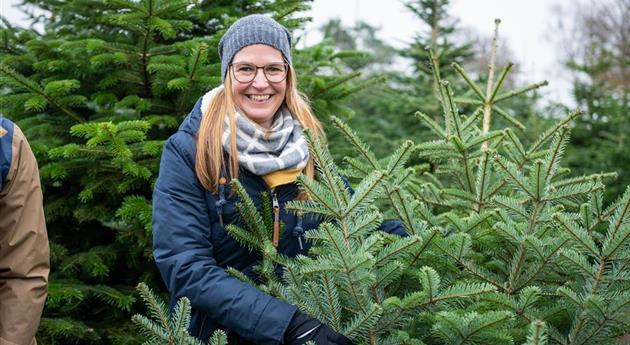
[{"x": 261, "y": 151}]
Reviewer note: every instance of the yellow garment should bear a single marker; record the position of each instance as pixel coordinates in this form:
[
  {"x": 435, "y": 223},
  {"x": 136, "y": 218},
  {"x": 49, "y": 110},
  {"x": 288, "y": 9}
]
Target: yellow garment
[{"x": 280, "y": 177}]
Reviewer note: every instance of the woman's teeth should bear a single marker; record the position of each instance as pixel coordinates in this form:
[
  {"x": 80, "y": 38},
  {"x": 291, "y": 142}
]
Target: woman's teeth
[{"x": 259, "y": 98}]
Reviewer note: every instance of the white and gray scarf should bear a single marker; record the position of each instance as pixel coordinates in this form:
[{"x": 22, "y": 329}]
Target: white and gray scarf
[{"x": 264, "y": 151}]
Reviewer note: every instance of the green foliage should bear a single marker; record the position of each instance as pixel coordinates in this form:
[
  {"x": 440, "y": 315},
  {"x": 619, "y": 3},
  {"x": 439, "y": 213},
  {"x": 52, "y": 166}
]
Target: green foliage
[
  {"x": 511, "y": 217},
  {"x": 164, "y": 327},
  {"x": 351, "y": 278}
]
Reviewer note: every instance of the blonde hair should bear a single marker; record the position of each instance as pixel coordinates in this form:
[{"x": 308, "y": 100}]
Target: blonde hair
[{"x": 210, "y": 153}]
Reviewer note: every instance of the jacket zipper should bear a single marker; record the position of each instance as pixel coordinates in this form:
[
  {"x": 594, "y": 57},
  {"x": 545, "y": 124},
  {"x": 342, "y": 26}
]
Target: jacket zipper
[{"x": 276, "y": 219}]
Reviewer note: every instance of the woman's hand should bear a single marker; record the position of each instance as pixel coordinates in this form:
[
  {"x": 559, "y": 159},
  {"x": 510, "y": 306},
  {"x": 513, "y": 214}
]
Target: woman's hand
[{"x": 303, "y": 328}]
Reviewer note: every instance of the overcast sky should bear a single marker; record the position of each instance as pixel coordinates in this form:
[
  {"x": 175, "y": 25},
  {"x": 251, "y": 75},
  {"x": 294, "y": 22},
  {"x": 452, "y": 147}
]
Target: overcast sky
[{"x": 525, "y": 27}]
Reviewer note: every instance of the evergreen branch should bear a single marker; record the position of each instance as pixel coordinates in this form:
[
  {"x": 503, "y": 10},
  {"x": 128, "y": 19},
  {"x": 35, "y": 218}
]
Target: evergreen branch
[
  {"x": 157, "y": 309},
  {"x": 365, "y": 224},
  {"x": 316, "y": 305},
  {"x": 341, "y": 254},
  {"x": 579, "y": 235},
  {"x": 326, "y": 166},
  {"x": 342, "y": 80},
  {"x": 483, "y": 138},
  {"x": 545, "y": 260},
  {"x": 516, "y": 143},
  {"x": 358, "y": 166},
  {"x": 474, "y": 270},
  {"x": 573, "y": 191},
  {"x": 432, "y": 125},
  {"x": 200, "y": 53},
  {"x": 331, "y": 303},
  {"x": 317, "y": 192},
  {"x": 452, "y": 108},
  {"x": 34, "y": 88},
  {"x": 469, "y": 81},
  {"x": 537, "y": 334},
  {"x": 522, "y": 90},
  {"x": 472, "y": 119},
  {"x": 508, "y": 232},
  {"x": 394, "y": 250},
  {"x": 476, "y": 220},
  {"x": 536, "y": 145},
  {"x": 425, "y": 245},
  {"x": 482, "y": 172},
  {"x": 464, "y": 290},
  {"x": 550, "y": 132},
  {"x": 365, "y": 192},
  {"x": 606, "y": 214},
  {"x": 613, "y": 242},
  {"x": 248, "y": 212},
  {"x": 510, "y": 204},
  {"x": 436, "y": 148},
  {"x": 151, "y": 329},
  {"x": 516, "y": 266},
  {"x": 363, "y": 322},
  {"x": 181, "y": 318},
  {"x": 240, "y": 275},
  {"x": 504, "y": 114},
  {"x": 553, "y": 159},
  {"x": 218, "y": 338},
  {"x": 388, "y": 274},
  {"x": 513, "y": 175},
  {"x": 356, "y": 142},
  {"x": 310, "y": 206},
  {"x": 500, "y": 81},
  {"x": 538, "y": 180},
  {"x": 430, "y": 282},
  {"x": 583, "y": 179},
  {"x": 399, "y": 157},
  {"x": 594, "y": 286},
  {"x": 487, "y": 102},
  {"x": 400, "y": 205},
  {"x": 497, "y": 318}
]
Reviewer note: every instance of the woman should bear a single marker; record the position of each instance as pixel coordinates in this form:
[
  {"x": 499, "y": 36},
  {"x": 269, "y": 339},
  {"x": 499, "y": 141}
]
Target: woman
[{"x": 249, "y": 128}]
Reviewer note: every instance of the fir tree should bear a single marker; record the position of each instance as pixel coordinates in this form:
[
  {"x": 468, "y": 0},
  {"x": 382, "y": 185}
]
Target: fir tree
[
  {"x": 511, "y": 217},
  {"x": 350, "y": 278}
]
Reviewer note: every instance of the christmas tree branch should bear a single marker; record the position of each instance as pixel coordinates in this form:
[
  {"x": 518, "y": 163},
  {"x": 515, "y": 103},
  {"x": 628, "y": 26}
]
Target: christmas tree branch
[{"x": 36, "y": 90}]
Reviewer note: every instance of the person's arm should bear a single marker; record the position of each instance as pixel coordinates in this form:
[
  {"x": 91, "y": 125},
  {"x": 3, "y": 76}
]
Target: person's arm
[
  {"x": 24, "y": 252},
  {"x": 184, "y": 254}
]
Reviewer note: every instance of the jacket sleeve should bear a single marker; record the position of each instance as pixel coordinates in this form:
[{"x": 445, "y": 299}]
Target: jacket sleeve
[
  {"x": 24, "y": 252},
  {"x": 184, "y": 254}
]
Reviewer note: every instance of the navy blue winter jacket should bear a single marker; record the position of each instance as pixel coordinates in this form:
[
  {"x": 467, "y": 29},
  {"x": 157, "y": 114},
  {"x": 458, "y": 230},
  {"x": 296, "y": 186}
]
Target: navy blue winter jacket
[{"x": 192, "y": 249}]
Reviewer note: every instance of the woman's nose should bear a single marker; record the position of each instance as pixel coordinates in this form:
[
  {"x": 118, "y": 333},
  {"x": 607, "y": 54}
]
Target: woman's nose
[{"x": 260, "y": 80}]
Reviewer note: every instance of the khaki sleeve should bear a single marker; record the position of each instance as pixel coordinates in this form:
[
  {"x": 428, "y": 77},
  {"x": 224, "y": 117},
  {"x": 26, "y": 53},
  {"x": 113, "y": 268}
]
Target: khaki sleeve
[{"x": 24, "y": 252}]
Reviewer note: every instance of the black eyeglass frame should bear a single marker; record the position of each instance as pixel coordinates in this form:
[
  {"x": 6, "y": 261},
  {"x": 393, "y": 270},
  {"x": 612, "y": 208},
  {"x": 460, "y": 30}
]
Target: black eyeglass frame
[{"x": 286, "y": 71}]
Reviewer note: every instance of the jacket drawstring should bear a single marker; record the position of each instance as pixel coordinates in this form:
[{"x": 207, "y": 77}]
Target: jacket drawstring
[
  {"x": 298, "y": 231},
  {"x": 221, "y": 202}
]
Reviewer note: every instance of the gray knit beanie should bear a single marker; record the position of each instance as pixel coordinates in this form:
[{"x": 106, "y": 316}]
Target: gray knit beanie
[{"x": 253, "y": 29}]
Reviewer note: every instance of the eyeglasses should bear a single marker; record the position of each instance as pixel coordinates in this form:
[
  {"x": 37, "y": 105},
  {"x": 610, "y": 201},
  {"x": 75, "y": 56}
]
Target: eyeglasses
[{"x": 246, "y": 72}]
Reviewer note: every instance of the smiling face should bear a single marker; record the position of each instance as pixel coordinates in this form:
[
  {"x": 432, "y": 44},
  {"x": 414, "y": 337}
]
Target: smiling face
[{"x": 259, "y": 99}]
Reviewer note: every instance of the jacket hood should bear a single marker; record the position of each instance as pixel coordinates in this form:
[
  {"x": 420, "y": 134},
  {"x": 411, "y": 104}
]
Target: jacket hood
[{"x": 192, "y": 121}]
